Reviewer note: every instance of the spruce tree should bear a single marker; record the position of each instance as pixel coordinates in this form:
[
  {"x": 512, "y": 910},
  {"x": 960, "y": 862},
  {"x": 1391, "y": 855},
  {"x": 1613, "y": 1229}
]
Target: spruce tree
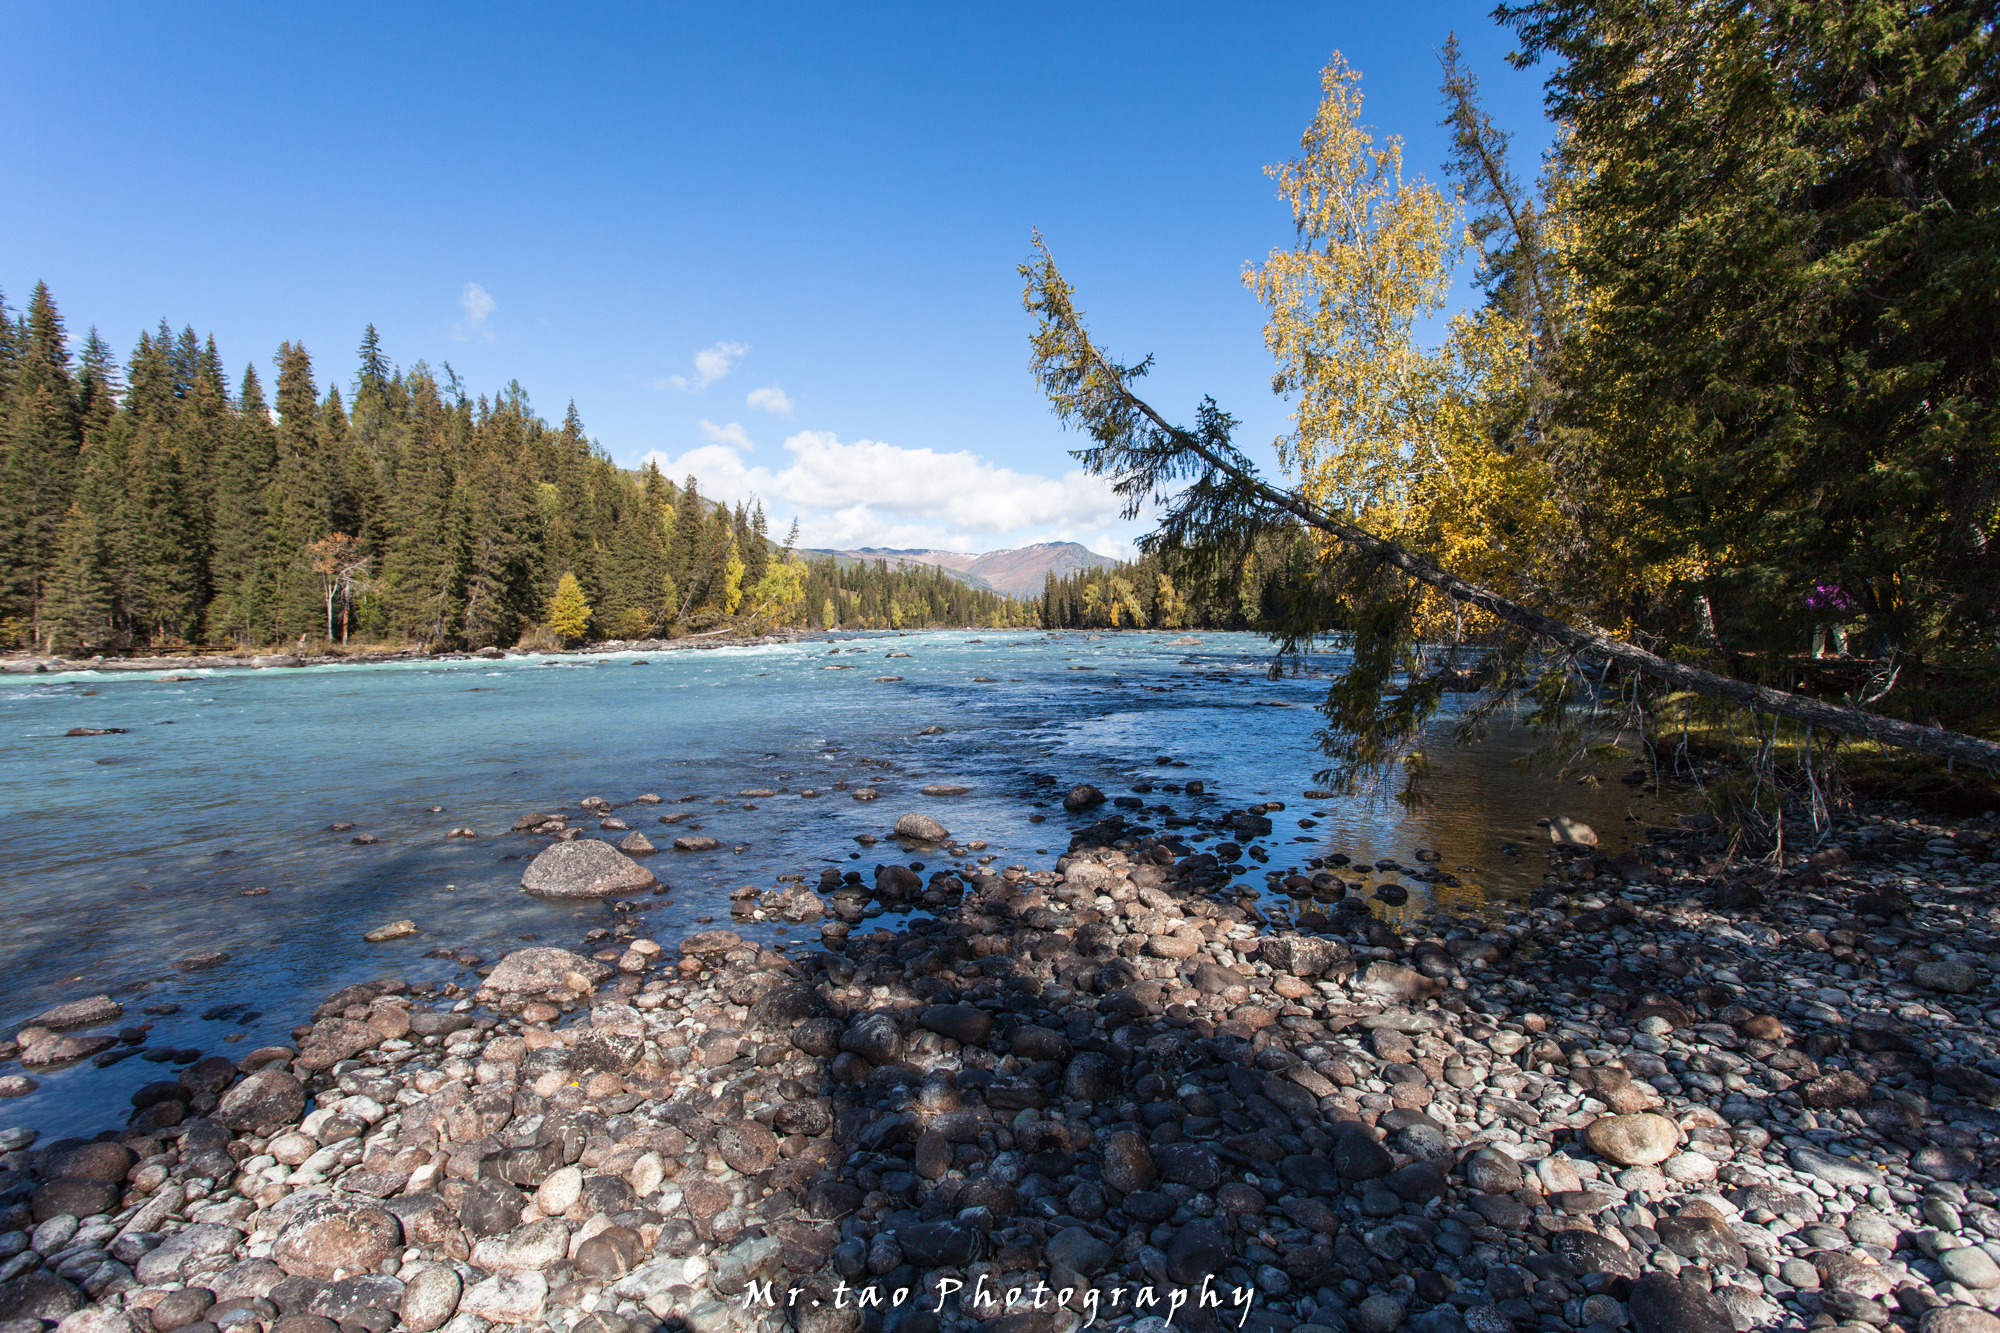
[
  {"x": 38, "y": 467},
  {"x": 246, "y": 454}
]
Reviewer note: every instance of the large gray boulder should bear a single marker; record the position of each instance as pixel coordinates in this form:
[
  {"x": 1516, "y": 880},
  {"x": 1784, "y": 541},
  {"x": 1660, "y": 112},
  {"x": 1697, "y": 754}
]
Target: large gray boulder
[
  {"x": 530, "y": 971},
  {"x": 585, "y": 868},
  {"x": 920, "y": 828}
]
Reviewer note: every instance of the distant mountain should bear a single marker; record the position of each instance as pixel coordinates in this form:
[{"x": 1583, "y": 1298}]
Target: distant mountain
[{"x": 1017, "y": 573}]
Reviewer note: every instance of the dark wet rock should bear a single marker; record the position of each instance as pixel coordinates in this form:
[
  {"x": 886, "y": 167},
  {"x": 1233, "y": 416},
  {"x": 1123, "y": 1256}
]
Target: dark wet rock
[
  {"x": 963, "y": 1023},
  {"x": 1128, "y": 1163},
  {"x": 1188, "y": 1164},
  {"x": 1033, "y": 1043},
  {"x": 748, "y": 1147},
  {"x": 1198, "y": 1250},
  {"x": 1091, "y": 1077},
  {"x": 1662, "y": 1304},
  {"x": 932, "y": 1244},
  {"x": 1076, "y": 1249},
  {"x": 263, "y": 1102},
  {"x": 40, "y": 1296},
  {"x": 93, "y": 1161},
  {"x": 1588, "y": 1252},
  {"x": 1418, "y": 1182},
  {"x": 74, "y": 1198},
  {"x": 818, "y": 1036},
  {"x": 785, "y": 1006},
  {"x": 490, "y": 1208},
  {"x": 1356, "y": 1155},
  {"x": 1083, "y": 796},
  {"x": 1946, "y": 977},
  {"x": 1310, "y": 1171},
  {"x": 875, "y": 1038}
]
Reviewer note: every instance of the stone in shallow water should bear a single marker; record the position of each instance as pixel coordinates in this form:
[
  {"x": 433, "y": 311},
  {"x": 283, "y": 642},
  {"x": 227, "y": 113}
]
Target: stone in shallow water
[
  {"x": 585, "y": 868},
  {"x": 922, "y": 828},
  {"x": 78, "y": 1014}
]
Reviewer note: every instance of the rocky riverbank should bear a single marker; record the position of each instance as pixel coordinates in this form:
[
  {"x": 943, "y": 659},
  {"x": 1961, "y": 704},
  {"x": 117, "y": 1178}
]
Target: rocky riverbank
[
  {"x": 31, "y": 664},
  {"x": 1675, "y": 1093}
]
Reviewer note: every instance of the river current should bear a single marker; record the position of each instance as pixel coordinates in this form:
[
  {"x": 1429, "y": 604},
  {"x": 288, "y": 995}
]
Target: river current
[{"x": 124, "y": 853}]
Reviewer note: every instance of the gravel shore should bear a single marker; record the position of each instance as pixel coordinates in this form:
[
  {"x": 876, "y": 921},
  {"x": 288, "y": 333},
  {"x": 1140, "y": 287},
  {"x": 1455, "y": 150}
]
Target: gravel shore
[{"x": 1674, "y": 1093}]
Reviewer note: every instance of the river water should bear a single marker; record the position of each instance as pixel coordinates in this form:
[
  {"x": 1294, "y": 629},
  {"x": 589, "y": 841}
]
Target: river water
[{"x": 124, "y": 853}]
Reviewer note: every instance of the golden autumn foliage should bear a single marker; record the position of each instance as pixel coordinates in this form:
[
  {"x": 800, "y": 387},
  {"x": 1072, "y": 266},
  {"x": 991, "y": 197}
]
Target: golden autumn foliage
[{"x": 1434, "y": 447}]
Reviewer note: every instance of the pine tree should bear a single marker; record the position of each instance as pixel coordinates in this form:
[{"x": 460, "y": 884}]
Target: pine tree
[{"x": 755, "y": 547}]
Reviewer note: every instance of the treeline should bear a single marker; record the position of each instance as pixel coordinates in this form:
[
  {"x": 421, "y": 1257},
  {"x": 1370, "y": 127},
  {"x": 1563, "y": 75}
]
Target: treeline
[
  {"x": 1173, "y": 590},
  {"x": 869, "y": 594},
  {"x": 163, "y": 505}
]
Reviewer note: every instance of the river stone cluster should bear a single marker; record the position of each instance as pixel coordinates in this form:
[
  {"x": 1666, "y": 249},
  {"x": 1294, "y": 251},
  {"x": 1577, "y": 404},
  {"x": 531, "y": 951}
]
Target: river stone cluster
[{"x": 1676, "y": 1095}]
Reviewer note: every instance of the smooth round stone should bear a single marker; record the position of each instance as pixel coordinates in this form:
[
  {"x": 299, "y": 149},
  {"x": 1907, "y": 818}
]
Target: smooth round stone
[
  {"x": 1800, "y": 1274},
  {"x": 1643, "y": 1139},
  {"x": 1970, "y": 1267},
  {"x": 1689, "y": 1168},
  {"x": 1377, "y": 1314},
  {"x": 1959, "y": 1319}
]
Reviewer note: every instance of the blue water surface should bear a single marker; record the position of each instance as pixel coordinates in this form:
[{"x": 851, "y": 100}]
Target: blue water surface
[{"x": 124, "y": 853}]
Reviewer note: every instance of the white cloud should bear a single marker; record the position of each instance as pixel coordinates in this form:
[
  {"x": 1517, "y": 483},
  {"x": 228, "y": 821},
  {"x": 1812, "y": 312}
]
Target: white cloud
[
  {"x": 710, "y": 365},
  {"x": 477, "y": 303},
  {"x": 771, "y": 400},
  {"x": 1113, "y": 548},
  {"x": 732, "y": 434},
  {"x": 867, "y": 493}
]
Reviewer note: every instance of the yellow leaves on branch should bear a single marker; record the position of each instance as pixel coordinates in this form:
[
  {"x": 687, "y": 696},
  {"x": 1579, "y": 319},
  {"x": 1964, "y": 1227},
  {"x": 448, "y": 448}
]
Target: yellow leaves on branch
[
  {"x": 1394, "y": 435},
  {"x": 1373, "y": 256}
]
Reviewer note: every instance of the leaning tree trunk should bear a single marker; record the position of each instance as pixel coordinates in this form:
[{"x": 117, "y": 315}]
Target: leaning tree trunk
[{"x": 1938, "y": 741}]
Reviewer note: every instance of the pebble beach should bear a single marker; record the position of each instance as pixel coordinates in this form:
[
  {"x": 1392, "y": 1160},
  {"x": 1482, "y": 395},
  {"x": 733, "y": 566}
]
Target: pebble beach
[{"x": 1672, "y": 1092}]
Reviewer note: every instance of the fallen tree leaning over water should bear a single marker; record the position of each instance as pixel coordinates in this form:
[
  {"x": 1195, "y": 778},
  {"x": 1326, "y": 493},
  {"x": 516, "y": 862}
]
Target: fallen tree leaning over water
[{"x": 1223, "y": 492}]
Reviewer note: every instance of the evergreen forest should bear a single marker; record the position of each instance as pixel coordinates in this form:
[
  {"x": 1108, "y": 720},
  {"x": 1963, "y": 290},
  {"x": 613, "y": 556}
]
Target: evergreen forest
[{"x": 166, "y": 505}]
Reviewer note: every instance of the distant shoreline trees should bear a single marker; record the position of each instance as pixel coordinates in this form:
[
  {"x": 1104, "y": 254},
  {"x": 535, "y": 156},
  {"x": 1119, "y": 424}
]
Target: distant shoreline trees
[{"x": 159, "y": 506}]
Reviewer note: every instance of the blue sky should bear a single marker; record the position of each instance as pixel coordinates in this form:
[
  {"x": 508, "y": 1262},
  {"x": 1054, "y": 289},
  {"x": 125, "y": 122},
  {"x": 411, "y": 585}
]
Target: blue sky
[{"x": 775, "y": 244}]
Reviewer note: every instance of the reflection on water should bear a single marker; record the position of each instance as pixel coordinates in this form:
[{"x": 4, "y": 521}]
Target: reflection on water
[{"x": 128, "y": 852}]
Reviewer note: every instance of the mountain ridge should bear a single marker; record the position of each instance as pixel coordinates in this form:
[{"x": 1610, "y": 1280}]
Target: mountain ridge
[{"x": 1017, "y": 572}]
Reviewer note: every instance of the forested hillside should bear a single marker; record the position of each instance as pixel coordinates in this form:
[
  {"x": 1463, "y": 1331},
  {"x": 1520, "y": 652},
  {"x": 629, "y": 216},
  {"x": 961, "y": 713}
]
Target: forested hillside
[{"x": 169, "y": 504}]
